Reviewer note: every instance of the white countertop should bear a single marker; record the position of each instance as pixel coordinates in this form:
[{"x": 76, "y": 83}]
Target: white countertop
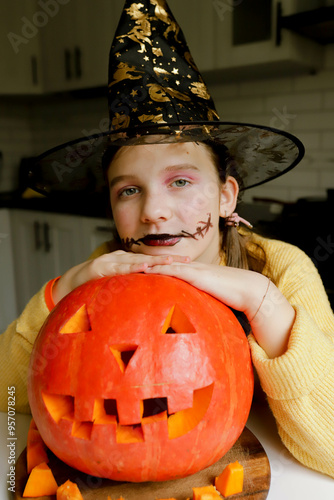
[{"x": 289, "y": 479}]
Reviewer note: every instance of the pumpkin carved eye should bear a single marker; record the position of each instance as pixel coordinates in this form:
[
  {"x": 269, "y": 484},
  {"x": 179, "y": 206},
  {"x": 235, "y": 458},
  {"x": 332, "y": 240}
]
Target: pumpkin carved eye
[
  {"x": 77, "y": 323},
  {"x": 177, "y": 322}
]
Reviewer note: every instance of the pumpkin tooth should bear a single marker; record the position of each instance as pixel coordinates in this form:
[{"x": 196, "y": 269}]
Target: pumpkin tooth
[
  {"x": 152, "y": 415},
  {"x": 58, "y": 405},
  {"x": 184, "y": 421},
  {"x": 180, "y": 399},
  {"x": 129, "y": 433}
]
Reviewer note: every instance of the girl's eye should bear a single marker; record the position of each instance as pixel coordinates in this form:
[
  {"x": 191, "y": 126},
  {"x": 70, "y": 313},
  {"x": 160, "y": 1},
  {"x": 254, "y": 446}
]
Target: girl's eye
[
  {"x": 180, "y": 182},
  {"x": 128, "y": 191}
]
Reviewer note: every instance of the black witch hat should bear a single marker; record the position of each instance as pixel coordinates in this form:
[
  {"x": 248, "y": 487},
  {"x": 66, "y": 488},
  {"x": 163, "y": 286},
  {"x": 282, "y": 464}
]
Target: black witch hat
[{"x": 156, "y": 94}]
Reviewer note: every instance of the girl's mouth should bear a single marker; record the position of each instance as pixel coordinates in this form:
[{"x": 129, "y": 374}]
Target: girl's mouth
[
  {"x": 160, "y": 240},
  {"x": 169, "y": 240}
]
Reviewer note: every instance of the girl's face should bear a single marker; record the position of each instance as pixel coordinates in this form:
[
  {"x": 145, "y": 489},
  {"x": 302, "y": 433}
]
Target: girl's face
[{"x": 167, "y": 198}]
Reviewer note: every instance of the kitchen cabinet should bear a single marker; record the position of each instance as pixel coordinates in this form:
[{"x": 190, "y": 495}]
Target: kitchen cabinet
[
  {"x": 76, "y": 44},
  {"x": 56, "y": 45},
  {"x": 248, "y": 45},
  {"x": 8, "y": 305},
  {"x": 44, "y": 245},
  {"x": 197, "y": 19},
  {"x": 20, "y": 56},
  {"x": 95, "y": 232},
  {"x": 63, "y": 45}
]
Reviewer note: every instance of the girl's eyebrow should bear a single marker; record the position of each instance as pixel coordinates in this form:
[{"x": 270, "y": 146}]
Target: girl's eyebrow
[
  {"x": 171, "y": 168},
  {"x": 121, "y": 178},
  {"x": 181, "y": 166}
]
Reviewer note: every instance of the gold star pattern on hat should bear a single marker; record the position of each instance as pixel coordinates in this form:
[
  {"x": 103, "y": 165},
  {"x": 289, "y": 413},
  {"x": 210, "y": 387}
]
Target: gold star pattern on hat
[{"x": 155, "y": 61}]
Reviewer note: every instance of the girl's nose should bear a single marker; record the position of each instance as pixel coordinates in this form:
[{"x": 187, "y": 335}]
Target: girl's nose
[{"x": 155, "y": 208}]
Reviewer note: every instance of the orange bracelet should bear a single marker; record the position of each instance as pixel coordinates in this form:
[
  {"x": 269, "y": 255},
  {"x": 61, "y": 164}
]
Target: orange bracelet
[{"x": 48, "y": 293}]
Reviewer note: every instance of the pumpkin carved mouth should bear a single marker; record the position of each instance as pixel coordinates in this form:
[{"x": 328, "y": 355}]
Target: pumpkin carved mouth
[{"x": 155, "y": 410}]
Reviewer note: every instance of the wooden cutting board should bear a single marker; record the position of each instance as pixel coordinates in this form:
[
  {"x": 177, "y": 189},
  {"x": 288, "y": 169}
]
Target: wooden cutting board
[{"x": 247, "y": 450}]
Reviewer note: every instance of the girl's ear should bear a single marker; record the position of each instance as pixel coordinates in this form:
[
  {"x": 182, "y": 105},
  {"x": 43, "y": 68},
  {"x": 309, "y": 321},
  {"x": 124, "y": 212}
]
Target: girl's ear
[{"x": 228, "y": 196}]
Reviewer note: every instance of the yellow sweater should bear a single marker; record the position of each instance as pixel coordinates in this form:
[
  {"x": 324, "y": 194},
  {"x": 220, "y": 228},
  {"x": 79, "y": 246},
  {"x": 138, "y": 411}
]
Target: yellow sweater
[{"x": 299, "y": 384}]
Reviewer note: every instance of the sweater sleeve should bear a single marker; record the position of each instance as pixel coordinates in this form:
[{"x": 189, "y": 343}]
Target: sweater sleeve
[
  {"x": 300, "y": 383},
  {"x": 15, "y": 348}
]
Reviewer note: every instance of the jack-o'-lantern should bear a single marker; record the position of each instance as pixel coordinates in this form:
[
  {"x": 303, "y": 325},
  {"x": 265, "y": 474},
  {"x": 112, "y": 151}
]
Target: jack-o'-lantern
[{"x": 140, "y": 378}]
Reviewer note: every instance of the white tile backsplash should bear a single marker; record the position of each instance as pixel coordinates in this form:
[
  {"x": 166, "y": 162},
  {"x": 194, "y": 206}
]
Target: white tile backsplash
[{"x": 303, "y": 105}]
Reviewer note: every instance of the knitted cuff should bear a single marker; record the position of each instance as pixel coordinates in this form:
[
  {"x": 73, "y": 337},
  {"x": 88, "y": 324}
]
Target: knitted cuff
[{"x": 48, "y": 293}]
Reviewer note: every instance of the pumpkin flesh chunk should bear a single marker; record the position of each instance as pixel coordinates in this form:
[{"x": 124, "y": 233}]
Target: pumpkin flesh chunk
[
  {"x": 68, "y": 491},
  {"x": 231, "y": 480},
  {"x": 206, "y": 493},
  {"x": 41, "y": 482},
  {"x": 36, "y": 449}
]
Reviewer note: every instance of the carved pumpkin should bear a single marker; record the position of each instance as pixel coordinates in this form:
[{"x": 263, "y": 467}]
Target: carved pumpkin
[{"x": 140, "y": 378}]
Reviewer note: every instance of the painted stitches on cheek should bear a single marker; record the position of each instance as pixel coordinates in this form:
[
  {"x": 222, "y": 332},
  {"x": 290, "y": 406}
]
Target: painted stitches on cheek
[
  {"x": 129, "y": 242},
  {"x": 200, "y": 231},
  {"x": 169, "y": 239}
]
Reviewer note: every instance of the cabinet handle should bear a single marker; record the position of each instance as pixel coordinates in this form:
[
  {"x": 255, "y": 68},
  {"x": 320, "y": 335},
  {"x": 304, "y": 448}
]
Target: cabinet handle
[
  {"x": 68, "y": 69},
  {"x": 47, "y": 243},
  {"x": 77, "y": 62},
  {"x": 38, "y": 242},
  {"x": 34, "y": 73}
]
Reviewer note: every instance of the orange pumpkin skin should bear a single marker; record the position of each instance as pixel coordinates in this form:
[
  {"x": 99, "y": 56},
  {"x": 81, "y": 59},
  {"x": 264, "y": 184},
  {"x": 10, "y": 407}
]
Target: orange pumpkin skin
[{"x": 95, "y": 374}]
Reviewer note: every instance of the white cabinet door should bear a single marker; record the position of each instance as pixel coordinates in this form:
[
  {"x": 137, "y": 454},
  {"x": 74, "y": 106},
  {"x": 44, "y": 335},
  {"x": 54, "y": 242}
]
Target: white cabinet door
[
  {"x": 8, "y": 306},
  {"x": 62, "y": 234},
  {"x": 95, "y": 232},
  {"x": 293, "y": 55},
  {"x": 20, "y": 60},
  {"x": 76, "y": 44},
  {"x": 95, "y": 26},
  {"x": 29, "y": 253},
  {"x": 197, "y": 21},
  {"x": 45, "y": 246},
  {"x": 58, "y": 51}
]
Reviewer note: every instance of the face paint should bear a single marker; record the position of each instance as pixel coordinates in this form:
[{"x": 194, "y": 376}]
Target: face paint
[{"x": 168, "y": 239}]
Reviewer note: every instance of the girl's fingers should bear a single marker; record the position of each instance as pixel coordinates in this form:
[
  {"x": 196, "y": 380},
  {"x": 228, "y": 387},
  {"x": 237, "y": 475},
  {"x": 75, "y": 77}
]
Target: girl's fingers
[{"x": 170, "y": 270}]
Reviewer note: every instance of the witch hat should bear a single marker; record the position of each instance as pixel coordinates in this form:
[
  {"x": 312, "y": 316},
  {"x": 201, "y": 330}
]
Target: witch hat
[{"x": 156, "y": 94}]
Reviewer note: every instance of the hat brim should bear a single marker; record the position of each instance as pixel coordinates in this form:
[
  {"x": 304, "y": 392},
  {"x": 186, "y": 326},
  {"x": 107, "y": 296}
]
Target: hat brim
[{"x": 261, "y": 153}]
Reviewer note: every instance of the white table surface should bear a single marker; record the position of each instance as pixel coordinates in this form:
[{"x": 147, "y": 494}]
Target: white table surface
[{"x": 289, "y": 479}]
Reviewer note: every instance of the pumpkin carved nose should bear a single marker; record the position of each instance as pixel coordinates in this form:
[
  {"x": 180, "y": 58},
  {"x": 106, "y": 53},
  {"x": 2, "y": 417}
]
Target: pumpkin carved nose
[{"x": 123, "y": 354}]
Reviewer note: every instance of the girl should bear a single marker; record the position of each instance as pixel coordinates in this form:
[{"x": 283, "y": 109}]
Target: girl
[{"x": 174, "y": 173}]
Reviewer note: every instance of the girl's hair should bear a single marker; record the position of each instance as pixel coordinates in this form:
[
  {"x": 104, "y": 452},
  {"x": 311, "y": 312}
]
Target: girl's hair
[{"x": 240, "y": 251}]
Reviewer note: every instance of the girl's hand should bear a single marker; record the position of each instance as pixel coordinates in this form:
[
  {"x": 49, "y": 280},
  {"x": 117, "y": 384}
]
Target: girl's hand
[
  {"x": 111, "y": 264},
  {"x": 270, "y": 314}
]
